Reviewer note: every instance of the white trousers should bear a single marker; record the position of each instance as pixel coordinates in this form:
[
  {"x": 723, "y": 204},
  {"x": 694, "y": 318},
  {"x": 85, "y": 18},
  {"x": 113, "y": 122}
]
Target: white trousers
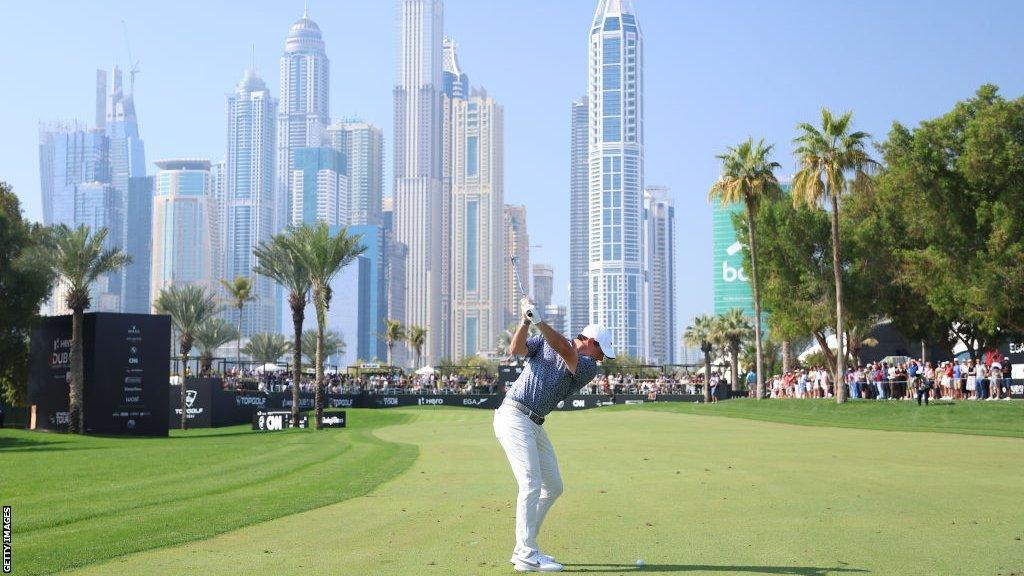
[{"x": 535, "y": 468}]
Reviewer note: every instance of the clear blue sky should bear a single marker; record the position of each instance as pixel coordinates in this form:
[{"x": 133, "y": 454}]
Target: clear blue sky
[{"x": 716, "y": 72}]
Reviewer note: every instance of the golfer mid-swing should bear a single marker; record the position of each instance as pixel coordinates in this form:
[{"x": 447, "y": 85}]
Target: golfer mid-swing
[{"x": 555, "y": 369}]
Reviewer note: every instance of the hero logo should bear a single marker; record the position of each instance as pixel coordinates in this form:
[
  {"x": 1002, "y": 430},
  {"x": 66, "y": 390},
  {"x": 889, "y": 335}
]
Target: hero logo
[
  {"x": 730, "y": 274},
  {"x": 430, "y": 401}
]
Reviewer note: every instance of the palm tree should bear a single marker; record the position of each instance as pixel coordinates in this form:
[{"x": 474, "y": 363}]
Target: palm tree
[
  {"x": 699, "y": 334},
  {"x": 78, "y": 258},
  {"x": 279, "y": 260},
  {"x": 394, "y": 333},
  {"x": 211, "y": 335},
  {"x": 189, "y": 307},
  {"x": 857, "y": 338},
  {"x": 324, "y": 255},
  {"x": 417, "y": 337},
  {"x": 748, "y": 177},
  {"x": 266, "y": 347},
  {"x": 239, "y": 294},
  {"x": 334, "y": 343},
  {"x": 730, "y": 329},
  {"x": 826, "y": 157}
]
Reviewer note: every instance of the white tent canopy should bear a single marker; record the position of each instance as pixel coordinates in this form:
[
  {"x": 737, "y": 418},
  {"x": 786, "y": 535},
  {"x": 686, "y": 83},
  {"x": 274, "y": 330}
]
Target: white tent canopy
[
  {"x": 269, "y": 367},
  {"x": 425, "y": 370}
]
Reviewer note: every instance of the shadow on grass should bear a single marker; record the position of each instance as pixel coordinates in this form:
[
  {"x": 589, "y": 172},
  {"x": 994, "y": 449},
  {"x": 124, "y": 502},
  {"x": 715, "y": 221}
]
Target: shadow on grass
[
  {"x": 31, "y": 445},
  {"x": 792, "y": 570}
]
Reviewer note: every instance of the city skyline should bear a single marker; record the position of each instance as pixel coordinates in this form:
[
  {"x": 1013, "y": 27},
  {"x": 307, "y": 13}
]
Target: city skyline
[{"x": 907, "y": 91}]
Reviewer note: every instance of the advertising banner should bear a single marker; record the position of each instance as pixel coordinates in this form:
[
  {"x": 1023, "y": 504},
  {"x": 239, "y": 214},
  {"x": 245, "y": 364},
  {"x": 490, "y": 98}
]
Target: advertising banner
[
  {"x": 198, "y": 403},
  {"x": 270, "y": 421},
  {"x": 125, "y": 360}
]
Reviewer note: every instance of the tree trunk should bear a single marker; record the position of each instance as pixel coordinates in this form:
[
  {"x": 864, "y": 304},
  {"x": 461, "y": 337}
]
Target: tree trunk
[
  {"x": 759, "y": 363},
  {"x": 321, "y": 314},
  {"x": 76, "y": 413},
  {"x": 840, "y": 378},
  {"x": 787, "y": 364},
  {"x": 298, "y": 316},
  {"x": 734, "y": 368},
  {"x": 238, "y": 344},
  {"x": 390, "y": 346},
  {"x": 707, "y": 374},
  {"x": 184, "y": 388},
  {"x": 924, "y": 352}
]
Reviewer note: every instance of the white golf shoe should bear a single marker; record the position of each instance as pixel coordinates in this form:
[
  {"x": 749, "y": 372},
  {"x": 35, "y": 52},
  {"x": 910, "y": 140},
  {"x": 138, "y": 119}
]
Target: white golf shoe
[
  {"x": 544, "y": 556},
  {"x": 536, "y": 562}
]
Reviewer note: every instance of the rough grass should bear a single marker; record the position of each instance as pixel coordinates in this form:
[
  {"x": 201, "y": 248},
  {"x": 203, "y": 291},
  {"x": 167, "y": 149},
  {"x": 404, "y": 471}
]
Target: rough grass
[
  {"x": 80, "y": 500},
  {"x": 692, "y": 494},
  {"x": 996, "y": 418}
]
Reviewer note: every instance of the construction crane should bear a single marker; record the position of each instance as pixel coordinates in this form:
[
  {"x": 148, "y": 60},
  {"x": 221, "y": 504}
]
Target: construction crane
[{"x": 133, "y": 67}]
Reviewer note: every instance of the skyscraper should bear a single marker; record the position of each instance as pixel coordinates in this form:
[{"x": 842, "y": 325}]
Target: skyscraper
[
  {"x": 139, "y": 245},
  {"x": 362, "y": 145},
  {"x": 247, "y": 214},
  {"x": 543, "y": 285},
  {"x": 616, "y": 173},
  {"x": 417, "y": 166},
  {"x": 454, "y": 88},
  {"x": 579, "y": 218},
  {"x": 319, "y": 187},
  {"x": 478, "y": 289},
  {"x": 182, "y": 211},
  {"x": 304, "y": 108},
  {"x": 516, "y": 243},
  {"x": 98, "y": 205},
  {"x": 128, "y": 161},
  {"x": 659, "y": 262},
  {"x": 69, "y": 154},
  {"x": 394, "y": 272}
]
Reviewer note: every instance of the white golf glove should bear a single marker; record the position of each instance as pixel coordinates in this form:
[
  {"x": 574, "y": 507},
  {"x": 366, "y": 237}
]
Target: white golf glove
[{"x": 529, "y": 311}]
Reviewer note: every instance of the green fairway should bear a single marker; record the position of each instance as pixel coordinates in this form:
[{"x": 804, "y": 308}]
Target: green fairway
[
  {"x": 79, "y": 500},
  {"x": 688, "y": 493}
]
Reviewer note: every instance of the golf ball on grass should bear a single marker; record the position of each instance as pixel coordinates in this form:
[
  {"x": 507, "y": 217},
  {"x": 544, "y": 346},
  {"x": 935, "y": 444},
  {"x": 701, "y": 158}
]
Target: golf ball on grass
[{"x": 639, "y": 563}]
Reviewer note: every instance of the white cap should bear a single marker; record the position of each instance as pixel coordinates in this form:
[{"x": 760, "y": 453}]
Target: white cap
[{"x": 603, "y": 337}]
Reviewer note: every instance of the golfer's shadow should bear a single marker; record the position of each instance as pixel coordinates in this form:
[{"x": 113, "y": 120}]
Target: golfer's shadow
[{"x": 632, "y": 568}]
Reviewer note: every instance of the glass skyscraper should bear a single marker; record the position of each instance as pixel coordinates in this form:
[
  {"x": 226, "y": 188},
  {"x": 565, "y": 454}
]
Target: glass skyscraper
[
  {"x": 319, "y": 187},
  {"x": 418, "y": 198},
  {"x": 304, "y": 107},
  {"x": 579, "y": 218},
  {"x": 659, "y": 262},
  {"x": 69, "y": 154},
  {"x": 362, "y": 145},
  {"x": 477, "y": 269},
  {"x": 183, "y": 215},
  {"x": 127, "y": 162},
  {"x": 616, "y": 174},
  {"x": 98, "y": 205},
  {"x": 248, "y": 211}
]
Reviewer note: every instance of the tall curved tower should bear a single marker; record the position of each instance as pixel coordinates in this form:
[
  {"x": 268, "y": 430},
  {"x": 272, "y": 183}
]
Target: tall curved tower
[
  {"x": 616, "y": 175},
  {"x": 304, "y": 104}
]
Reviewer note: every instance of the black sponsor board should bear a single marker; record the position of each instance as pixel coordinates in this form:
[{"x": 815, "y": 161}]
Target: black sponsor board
[
  {"x": 333, "y": 419},
  {"x": 198, "y": 403},
  {"x": 584, "y": 401},
  {"x": 507, "y": 373},
  {"x": 643, "y": 398},
  {"x": 125, "y": 360},
  {"x": 276, "y": 420},
  {"x": 491, "y": 401}
]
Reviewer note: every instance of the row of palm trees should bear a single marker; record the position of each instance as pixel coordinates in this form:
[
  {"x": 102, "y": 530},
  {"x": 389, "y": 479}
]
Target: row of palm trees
[
  {"x": 727, "y": 332},
  {"x": 833, "y": 160},
  {"x": 395, "y": 332},
  {"x": 303, "y": 260}
]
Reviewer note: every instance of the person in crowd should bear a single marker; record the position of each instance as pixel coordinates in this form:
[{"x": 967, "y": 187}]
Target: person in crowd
[
  {"x": 980, "y": 382},
  {"x": 922, "y": 385},
  {"x": 995, "y": 378},
  {"x": 713, "y": 383}
]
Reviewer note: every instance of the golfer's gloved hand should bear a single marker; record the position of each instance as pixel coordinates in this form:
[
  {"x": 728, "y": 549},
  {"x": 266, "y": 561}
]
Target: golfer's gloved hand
[{"x": 530, "y": 312}]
